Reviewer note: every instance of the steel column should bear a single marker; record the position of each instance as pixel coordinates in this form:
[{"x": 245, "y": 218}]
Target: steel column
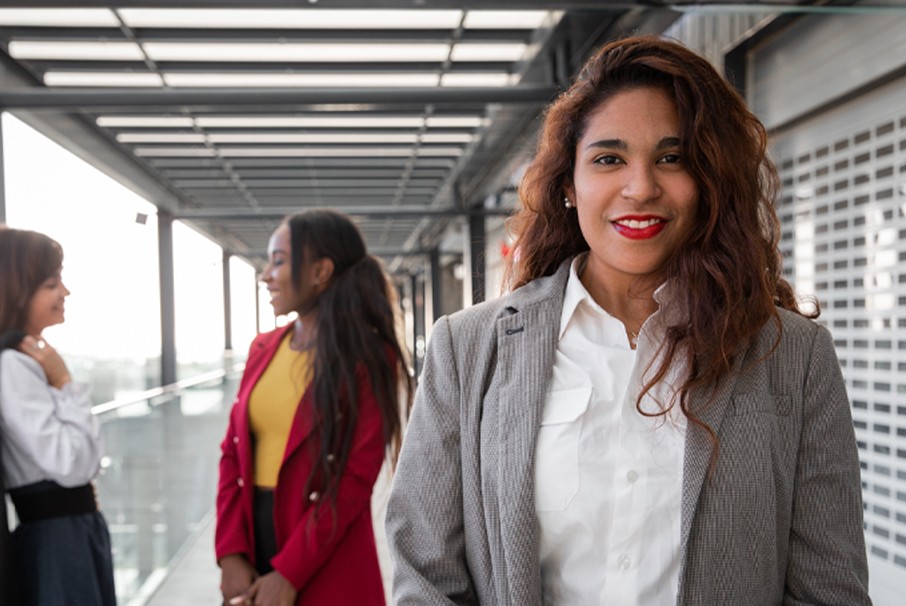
[
  {"x": 475, "y": 252},
  {"x": 418, "y": 323},
  {"x": 227, "y": 304},
  {"x": 167, "y": 298},
  {"x": 436, "y": 286},
  {"x": 257, "y": 306}
]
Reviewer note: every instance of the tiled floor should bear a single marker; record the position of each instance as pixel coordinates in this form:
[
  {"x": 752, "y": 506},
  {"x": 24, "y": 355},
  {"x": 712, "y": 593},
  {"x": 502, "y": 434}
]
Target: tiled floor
[{"x": 194, "y": 578}]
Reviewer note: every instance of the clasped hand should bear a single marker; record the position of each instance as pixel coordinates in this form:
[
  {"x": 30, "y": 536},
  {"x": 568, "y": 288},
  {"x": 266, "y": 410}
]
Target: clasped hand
[{"x": 241, "y": 586}]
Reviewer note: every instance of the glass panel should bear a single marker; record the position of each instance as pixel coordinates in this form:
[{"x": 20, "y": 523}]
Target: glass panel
[
  {"x": 159, "y": 478},
  {"x": 111, "y": 337},
  {"x": 198, "y": 278}
]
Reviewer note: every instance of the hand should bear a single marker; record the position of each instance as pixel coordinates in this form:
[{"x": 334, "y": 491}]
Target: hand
[
  {"x": 271, "y": 589},
  {"x": 236, "y": 576},
  {"x": 54, "y": 367}
]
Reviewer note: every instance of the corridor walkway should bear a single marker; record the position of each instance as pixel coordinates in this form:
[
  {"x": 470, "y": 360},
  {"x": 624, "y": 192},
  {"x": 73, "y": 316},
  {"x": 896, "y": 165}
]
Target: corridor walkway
[{"x": 194, "y": 578}]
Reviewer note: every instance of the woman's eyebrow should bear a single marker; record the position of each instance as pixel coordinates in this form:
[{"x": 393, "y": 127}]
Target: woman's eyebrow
[
  {"x": 608, "y": 144},
  {"x": 621, "y": 145}
]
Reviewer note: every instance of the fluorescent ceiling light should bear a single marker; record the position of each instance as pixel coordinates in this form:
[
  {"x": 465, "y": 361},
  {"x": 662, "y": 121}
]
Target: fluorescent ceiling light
[
  {"x": 161, "y": 152},
  {"x": 313, "y": 138},
  {"x": 111, "y": 79},
  {"x": 58, "y": 17},
  {"x": 182, "y": 79},
  {"x": 351, "y": 121},
  {"x": 439, "y": 151},
  {"x": 144, "y": 122},
  {"x": 488, "y": 52},
  {"x": 447, "y": 138},
  {"x": 476, "y": 79},
  {"x": 160, "y": 138},
  {"x": 454, "y": 121},
  {"x": 292, "y": 52},
  {"x": 291, "y": 19},
  {"x": 506, "y": 19},
  {"x": 339, "y": 152},
  {"x": 76, "y": 51}
]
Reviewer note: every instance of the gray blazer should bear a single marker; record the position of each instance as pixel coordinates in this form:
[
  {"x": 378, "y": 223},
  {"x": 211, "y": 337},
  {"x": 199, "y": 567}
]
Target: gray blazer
[{"x": 779, "y": 520}]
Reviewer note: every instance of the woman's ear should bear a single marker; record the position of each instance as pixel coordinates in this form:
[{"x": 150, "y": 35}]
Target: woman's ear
[
  {"x": 323, "y": 271},
  {"x": 569, "y": 195}
]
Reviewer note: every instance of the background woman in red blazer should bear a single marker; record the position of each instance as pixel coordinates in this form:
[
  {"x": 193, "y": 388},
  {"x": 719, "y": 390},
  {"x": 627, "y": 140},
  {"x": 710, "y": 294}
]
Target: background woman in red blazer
[{"x": 317, "y": 410}]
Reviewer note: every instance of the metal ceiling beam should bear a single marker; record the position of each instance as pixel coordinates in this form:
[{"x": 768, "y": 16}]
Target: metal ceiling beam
[
  {"x": 118, "y": 99},
  {"x": 362, "y": 4},
  {"x": 617, "y": 5},
  {"x": 356, "y": 211}
]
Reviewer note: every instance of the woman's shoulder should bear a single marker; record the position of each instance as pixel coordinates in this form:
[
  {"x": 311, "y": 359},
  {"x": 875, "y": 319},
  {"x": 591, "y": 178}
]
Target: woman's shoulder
[
  {"x": 541, "y": 291},
  {"x": 13, "y": 360},
  {"x": 264, "y": 340},
  {"x": 791, "y": 341},
  {"x": 792, "y": 327}
]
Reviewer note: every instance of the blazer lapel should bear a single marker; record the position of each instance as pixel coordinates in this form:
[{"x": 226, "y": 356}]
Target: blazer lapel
[
  {"x": 527, "y": 341},
  {"x": 699, "y": 448},
  {"x": 303, "y": 424}
]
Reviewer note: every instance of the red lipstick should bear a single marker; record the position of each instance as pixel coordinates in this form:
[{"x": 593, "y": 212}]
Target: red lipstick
[{"x": 639, "y": 227}]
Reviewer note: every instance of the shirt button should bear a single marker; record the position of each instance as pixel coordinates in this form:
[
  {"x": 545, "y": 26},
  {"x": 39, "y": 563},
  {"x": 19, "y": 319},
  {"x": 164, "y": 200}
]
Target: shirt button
[
  {"x": 314, "y": 496},
  {"x": 241, "y": 482},
  {"x": 235, "y": 439},
  {"x": 624, "y": 562},
  {"x": 632, "y": 475}
]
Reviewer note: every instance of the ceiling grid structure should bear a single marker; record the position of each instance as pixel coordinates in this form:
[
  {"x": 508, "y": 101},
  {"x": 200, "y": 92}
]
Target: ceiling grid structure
[{"x": 397, "y": 116}]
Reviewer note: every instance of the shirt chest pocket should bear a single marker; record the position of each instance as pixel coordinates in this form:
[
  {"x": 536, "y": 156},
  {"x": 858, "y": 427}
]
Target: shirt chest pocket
[{"x": 557, "y": 449}]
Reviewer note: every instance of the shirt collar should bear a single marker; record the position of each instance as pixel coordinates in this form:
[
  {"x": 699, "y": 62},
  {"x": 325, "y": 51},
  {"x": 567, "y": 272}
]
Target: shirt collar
[{"x": 576, "y": 293}]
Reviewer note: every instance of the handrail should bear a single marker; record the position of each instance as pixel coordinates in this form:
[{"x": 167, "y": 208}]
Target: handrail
[{"x": 171, "y": 389}]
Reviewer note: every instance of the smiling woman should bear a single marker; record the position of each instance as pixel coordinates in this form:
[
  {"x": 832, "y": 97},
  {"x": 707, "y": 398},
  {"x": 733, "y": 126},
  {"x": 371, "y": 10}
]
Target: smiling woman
[
  {"x": 50, "y": 441},
  {"x": 648, "y": 418},
  {"x": 317, "y": 411}
]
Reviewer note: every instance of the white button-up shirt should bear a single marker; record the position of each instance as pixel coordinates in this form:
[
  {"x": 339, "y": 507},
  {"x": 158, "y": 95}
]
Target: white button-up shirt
[
  {"x": 47, "y": 433},
  {"x": 608, "y": 480}
]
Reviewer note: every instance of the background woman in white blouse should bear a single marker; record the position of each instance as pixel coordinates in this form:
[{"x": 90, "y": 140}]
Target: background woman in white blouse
[
  {"x": 51, "y": 446},
  {"x": 648, "y": 418}
]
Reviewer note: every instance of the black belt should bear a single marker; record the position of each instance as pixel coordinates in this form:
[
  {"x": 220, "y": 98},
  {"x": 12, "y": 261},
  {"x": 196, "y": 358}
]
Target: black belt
[{"x": 48, "y": 499}]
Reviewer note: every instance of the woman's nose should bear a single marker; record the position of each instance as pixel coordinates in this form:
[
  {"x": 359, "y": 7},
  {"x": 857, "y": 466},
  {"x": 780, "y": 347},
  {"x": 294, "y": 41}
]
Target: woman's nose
[{"x": 641, "y": 184}]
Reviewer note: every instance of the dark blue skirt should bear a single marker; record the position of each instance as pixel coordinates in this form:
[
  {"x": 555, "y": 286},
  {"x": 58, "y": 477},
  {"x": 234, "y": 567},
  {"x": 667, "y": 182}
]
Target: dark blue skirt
[{"x": 65, "y": 561}]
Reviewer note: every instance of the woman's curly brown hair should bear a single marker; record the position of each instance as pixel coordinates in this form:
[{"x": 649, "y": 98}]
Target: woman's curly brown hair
[{"x": 728, "y": 270}]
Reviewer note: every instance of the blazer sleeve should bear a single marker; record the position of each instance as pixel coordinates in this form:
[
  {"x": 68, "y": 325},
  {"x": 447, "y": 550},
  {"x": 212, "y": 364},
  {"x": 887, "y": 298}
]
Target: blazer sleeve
[
  {"x": 827, "y": 560},
  {"x": 232, "y": 532},
  {"x": 424, "y": 523},
  {"x": 314, "y": 539},
  {"x": 49, "y": 431}
]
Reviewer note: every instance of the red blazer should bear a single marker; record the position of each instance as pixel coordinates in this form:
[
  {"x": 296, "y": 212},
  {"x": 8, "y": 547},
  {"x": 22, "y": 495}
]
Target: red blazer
[{"x": 333, "y": 560}]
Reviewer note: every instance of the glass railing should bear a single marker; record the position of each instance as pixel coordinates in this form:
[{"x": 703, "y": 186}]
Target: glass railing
[{"x": 158, "y": 478}]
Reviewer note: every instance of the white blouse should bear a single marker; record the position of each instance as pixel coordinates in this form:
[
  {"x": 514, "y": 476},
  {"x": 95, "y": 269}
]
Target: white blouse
[
  {"x": 608, "y": 480},
  {"x": 46, "y": 433}
]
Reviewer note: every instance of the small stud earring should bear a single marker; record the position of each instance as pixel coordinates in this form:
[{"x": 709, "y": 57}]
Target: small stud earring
[{"x": 567, "y": 203}]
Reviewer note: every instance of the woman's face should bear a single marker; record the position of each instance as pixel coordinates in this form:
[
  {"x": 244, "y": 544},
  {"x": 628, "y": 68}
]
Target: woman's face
[
  {"x": 634, "y": 198},
  {"x": 47, "y": 305},
  {"x": 277, "y": 275}
]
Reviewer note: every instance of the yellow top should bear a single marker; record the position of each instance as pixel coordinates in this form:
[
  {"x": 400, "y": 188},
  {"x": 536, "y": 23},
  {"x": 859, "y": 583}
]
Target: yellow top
[{"x": 272, "y": 406}]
